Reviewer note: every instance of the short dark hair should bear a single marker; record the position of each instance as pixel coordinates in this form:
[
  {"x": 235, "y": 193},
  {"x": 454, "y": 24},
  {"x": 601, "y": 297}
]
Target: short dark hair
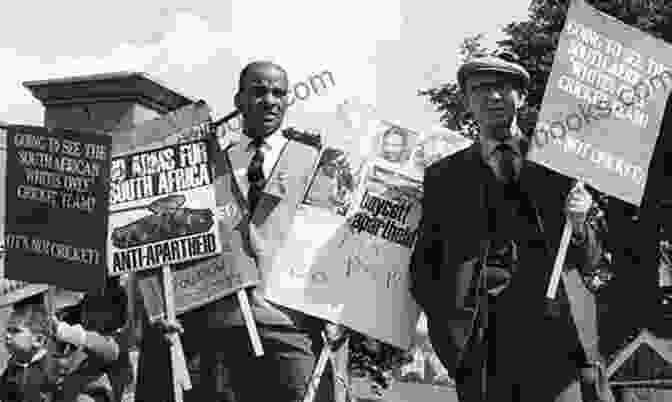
[{"x": 251, "y": 66}]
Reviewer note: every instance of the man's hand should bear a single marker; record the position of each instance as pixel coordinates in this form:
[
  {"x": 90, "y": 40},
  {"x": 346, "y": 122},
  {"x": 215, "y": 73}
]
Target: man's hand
[
  {"x": 168, "y": 328},
  {"x": 578, "y": 204},
  {"x": 334, "y": 332},
  {"x": 63, "y": 332}
]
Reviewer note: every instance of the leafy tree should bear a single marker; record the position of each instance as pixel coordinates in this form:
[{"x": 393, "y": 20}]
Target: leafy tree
[{"x": 534, "y": 42}]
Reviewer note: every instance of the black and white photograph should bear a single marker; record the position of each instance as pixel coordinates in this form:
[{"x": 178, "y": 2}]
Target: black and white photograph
[{"x": 336, "y": 201}]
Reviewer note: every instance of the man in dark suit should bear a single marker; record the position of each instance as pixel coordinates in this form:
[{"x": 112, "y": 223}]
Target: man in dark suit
[{"x": 490, "y": 323}]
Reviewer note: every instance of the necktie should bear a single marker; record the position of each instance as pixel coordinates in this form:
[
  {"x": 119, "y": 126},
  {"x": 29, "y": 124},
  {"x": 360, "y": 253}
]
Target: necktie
[
  {"x": 507, "y": 167},
  {"x": 255, "y": 176}
]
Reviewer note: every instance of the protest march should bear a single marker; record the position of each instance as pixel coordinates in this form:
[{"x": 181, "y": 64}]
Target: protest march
[{"x": 517, "y": 250}]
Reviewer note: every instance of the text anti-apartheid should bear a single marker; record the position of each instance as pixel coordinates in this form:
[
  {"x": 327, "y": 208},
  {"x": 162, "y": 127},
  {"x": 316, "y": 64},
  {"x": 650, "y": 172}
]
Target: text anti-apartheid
[
  {"x": 163, "y": 253},
  {"x": 165, "y": 171},
  {"x": 384, "y": 218}
]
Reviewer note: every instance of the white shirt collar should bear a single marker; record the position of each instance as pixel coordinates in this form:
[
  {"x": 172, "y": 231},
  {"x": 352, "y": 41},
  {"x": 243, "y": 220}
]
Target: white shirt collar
[
  {"x": 273, "y": 141},
  {"x": 272, "y": 149}
]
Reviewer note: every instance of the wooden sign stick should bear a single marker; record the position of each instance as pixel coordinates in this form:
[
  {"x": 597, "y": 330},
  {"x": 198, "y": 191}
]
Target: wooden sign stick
[
  {"x": 50, "y": 301},
  {"x": 559, "y": 261},
  {"x": 318, "y": 372},
  {"x": 181, "y": 379},
  {"x": 560, "y": 258},
  {"x": 251, "y": 325}
]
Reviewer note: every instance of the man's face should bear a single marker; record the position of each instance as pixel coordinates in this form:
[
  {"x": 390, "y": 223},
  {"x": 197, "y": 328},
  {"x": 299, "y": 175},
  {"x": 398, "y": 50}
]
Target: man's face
[
  {"x": 20, "y": 340},
  {"x": 262, "y": 99},
  {"x": 394, "y": 144},
  {"x": 494, "y": 99}
]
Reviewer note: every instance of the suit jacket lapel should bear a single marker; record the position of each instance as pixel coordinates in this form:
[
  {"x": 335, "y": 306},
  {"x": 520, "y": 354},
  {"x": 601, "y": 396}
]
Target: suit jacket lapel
[
  {"x": 239, "y": 160},
  {"x": 530, "y": 181},
  {"x": 465, "y": 216}
]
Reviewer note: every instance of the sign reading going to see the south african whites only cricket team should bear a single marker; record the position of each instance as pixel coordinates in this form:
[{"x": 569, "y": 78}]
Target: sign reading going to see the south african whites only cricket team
[
  {"x": 604, "y": 102},
  {"x": 57, "y": 203},
  {"x": 161, "y": 208}
]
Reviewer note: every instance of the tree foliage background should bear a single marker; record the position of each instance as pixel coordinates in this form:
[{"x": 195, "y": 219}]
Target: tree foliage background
[
  {"x": 633, "y": 240},
  {"x": 534, "y": 42}
]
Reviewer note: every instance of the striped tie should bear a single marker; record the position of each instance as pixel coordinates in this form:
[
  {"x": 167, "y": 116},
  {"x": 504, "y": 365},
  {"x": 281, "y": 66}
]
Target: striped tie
[{"x": 255, "y": 177}]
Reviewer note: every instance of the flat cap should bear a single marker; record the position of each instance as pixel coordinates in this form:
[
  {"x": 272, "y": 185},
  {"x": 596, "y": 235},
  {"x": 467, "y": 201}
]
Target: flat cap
[{"x": 490, "y": 63}]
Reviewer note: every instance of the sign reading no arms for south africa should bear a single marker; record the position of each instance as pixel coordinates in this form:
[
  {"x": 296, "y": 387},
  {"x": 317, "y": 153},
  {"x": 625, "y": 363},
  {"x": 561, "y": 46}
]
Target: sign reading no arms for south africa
[{"x": 161, "y": 204}]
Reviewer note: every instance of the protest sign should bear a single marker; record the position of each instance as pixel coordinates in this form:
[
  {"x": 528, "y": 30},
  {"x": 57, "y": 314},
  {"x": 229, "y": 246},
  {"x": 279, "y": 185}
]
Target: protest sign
[
  {"x": 370, "y": 258},
  {"x": 225, "y": 269},
  {"x": 14, "y": 291},
  {"x": 350, "y": 242},
  {"x": 188, "y": 123},
  {"x": 195, "y": 285},
  {"x": 163, "y": 165},
  {"x": 56, "y": 206},
  {"x": 603, "y": 105},
  {"x": 161, "y": 208}
]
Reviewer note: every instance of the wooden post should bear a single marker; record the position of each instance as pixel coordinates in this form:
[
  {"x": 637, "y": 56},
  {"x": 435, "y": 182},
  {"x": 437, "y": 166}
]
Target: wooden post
[
  {"x": 251, "y": 325},
  {"x": 318, "y": 372},
  {"x": 181, "y": 380},
  {"x": 50, "y": 301},
  {"x": 560, "y": 257},
  {"x": 340, "y": 359},
  {"x": 559, "y": 261}
]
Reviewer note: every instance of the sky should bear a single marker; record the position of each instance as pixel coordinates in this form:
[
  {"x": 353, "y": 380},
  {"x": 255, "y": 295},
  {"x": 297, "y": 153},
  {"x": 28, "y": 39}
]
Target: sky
[{"x": 380, "y": 52}]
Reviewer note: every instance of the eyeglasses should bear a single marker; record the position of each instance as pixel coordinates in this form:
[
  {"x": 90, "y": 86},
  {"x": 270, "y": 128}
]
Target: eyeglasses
[{"x": 487, "y": 88}]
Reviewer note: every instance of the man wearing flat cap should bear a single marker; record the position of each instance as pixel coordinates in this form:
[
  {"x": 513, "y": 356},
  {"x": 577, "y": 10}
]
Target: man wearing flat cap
[{"x": 486, "y": 250}]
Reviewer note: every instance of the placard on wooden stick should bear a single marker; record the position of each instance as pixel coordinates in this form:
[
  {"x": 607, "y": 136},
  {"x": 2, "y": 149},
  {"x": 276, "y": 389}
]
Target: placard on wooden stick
[
  {"x": 602, "y": 132},
  {"x": 56, "y": 179}
]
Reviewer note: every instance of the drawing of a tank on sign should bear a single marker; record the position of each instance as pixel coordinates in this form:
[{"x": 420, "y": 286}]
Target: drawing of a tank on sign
[{"x": 167, "y": 221}]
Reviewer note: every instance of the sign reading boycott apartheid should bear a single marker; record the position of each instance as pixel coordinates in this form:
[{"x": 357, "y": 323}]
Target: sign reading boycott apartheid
[
  {"x": 161, "y": 208},
  {"x": 375, "y": 243},
  {"x": 56, "y": 207},
  {"x": 603, "y": 105},
  {"x": 346, "y": 258}
]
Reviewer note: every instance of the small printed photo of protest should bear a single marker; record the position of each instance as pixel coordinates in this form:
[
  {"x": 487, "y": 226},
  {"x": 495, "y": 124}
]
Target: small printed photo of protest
[{"x": 333, "y": 185}]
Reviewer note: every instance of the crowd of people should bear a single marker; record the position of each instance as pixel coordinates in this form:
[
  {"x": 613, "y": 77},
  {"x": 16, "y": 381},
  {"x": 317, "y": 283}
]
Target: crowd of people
[{"x": 491, "y": 221}]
